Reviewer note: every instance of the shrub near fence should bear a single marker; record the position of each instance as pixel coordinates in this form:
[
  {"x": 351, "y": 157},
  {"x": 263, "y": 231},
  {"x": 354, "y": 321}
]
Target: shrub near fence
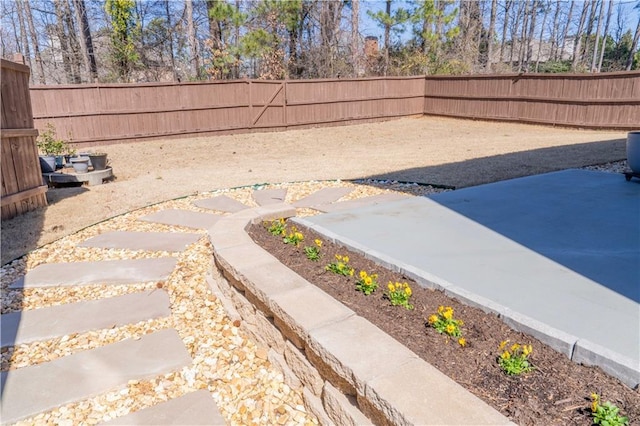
[
  {"x": 22, "y": 186},
  {"x": 107, "y": 113}
]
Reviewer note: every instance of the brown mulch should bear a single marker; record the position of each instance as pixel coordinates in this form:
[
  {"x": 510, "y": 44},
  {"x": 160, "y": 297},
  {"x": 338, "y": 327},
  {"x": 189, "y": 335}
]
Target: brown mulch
[{"x": 555, "y": 393}]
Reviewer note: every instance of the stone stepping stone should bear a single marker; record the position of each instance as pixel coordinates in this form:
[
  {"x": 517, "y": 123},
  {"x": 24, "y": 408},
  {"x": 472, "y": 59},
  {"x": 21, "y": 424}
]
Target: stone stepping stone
[
  {"x": 323, "y": 196},
  {"x": 360, "y": 202},
  {"x": 270, "y": 196},
  {"x": 195, "y": 408},
  {"x": 221, "y": 203},
  {"x": 102, "y": 272},
  {"x": 197, "y": 220},
  {"x": 151, "y": 241},
  {"x": 46, "y": 323},
  {"x": 31, "y": 390}
]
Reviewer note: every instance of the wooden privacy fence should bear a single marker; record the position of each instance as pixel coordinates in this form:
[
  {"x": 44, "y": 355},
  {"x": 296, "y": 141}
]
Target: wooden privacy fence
[
  {"x": 601, "y": 101},
  {"x": 22, "y": 185},
  {"x": 106, "y": 113}
]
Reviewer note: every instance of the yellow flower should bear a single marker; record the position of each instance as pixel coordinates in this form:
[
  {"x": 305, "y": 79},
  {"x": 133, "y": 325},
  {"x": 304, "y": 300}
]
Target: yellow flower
[
  {"x": 515, "y": 347},
  {"x": 318, "y": 243},
  {"x": 450, "y": 328},
  {"x": 505, "y": 355},
  {"x": 299, "y": 236},
  {"x": 462, "y": 342},
  {"x": 503, "y": 344},
  {"x": 526, "y": 350},
  {"x": 374, "y": 276},
  {"x": 448, "y": 313},
  {"x": 460, "y": 322},
  {"x": 363, "y": 275},
  {"x": 433, "y": 319},
  {"x": 407, "y": 290},
  {"x": 391, "y": 287},
  {"x": 338, "y": 257},
  {"x": 346, "y": 259},
  {"x": 440, "y": 309},
  {"x": 368, "y": 280},
  {"x": 351, "y": 272}
]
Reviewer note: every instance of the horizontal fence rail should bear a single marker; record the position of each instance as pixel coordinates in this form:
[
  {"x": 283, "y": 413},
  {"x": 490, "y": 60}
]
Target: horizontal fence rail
[{"x": 108, "y": 113}]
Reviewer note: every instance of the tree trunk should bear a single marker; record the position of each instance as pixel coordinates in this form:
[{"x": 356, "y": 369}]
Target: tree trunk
[
  {"x": 590, "y": 22},
  {"x": 553, "y": 52},
  {"x": 387, "y": 37},
  {"x": 63, "y": 41},
  {"x": 355, "y": 37},
  {"x": 174, "y": 72},
  {"x": 566, "y": 29},
  {"x": 541, "y": 40},
  {"x": 532, "y": 30},
  {"x": 194, "y": 59},
  {"x": 215, "y": 30},
  {"x": 505, "y": 25},
  {"x": 522, "y": 54},
  {"x": 634, "y": 46},
  {"x": 492, "y": 29},
  {"x": 514, "y": 31},
  {"x": 604, "y": 34},
  {"x": 86, "y": 40},
  {"x": 23, "y": 36},
  {"x": 74, "y": 46},
  {"x": 597, "y": 41},
  {"x": 34, "y": 42},
  {"x": 578, "y": 40}
]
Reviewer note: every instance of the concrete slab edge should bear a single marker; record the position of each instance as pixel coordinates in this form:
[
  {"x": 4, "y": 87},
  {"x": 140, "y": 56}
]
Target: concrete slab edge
[
  {"x": 382, "y": 415},
  {"x": 578, "y": 350}
]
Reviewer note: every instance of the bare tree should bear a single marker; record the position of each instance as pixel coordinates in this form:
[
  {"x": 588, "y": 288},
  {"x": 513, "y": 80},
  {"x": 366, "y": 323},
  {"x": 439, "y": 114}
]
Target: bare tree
[
  {"x": 604, "y": 34},
  {"x": 522, "y": 53},
  {"x": 194, "y": 58},
  {"x": 505, "y": 25},
  {"x": 23, "y": 35},
  {"x": 355, "y": 36},
  {"x": 546, "y": 6},
  {"x": 553, "y": 51},
  {"x": 490, "y": 35},
  {"x": 634, "y": 46},
  {"x": 578, "y": 37},
  {"x": 566, "y": 30},
  {"x": 597, "y": 41},
  {"x": 34, "y": 42},
  {"x": 532, "y": 30},
  {"x": 86, "y": 41}
]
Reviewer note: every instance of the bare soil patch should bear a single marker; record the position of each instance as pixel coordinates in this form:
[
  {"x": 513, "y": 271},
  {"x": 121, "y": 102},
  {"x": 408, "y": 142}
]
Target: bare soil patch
[
  {"x": 555, "y": 393},
  {"x": 434, "y": 150}
]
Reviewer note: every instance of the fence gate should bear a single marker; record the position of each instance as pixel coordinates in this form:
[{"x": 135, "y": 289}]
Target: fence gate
[{"x": 22, "y": 186}]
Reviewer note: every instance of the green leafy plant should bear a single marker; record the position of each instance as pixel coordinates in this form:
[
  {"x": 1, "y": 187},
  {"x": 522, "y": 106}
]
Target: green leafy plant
[
  {"x": 294, "y": 237},
  {"x": 445, "y": 323},
  {"x": 399, "y": 294},
  {"x": 515, "y": 360},
  {"x": 313, "y": 252},
  {"x": 606, "y": 414},
  {"x": 49, "y": 144},
  {"x": 367, "y": 283},
  {"x": 277, "y": 227},
  {"x": 340, "y": 266}
]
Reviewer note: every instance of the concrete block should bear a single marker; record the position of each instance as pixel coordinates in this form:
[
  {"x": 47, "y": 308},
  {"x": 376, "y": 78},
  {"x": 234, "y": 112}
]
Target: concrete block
[
  {"x": 471, "y": 299},
  {"x": 272, "y": 212},
  {"x": 186, "y": 218},
  {"x": 100, "y": 272},
  {"x": 323, "y": 196},
  {"x": 149, "y": 241},
  {"x": 266, "y": 280},
  {"x": 303, "y": 369},
  {"x": 625, "y": 369},
  {"x": 416, "y": 393},
  {"x": 343, "y": 410},
  {"x": 266, "y": 332},
  {"x": 313, "y": 404},
  {"x": 194, "y": 408},
  {"x": 270, "y": 196},
  {"x": 357, "y": 364},
  {"x": 54, "y": 321},
  {"x": 221, "y": 203},
  {"x": 306, "y": 308},
  {"x": 247, "y": 255},
  {"x": 359, "y": 202},
  {"x": 280, "y": 363},
  {"x": 557, "y": 339},
  {"x": 31, "y": 390},
  {"x": 228, "y": 232}
]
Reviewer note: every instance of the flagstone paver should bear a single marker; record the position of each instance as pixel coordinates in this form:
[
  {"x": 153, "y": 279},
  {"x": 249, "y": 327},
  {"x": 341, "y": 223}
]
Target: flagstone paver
[
  {"x": 54, "y": 321},
  {"x": 152, "y": 241},
  {"x": 105, "y": 272},
  {"x": 31, "y": 390},
  {"x": 270, "y": 196},
  {"x": 323, "y": 196},
  {"x": 194, "y": 408},
  {"x": 189, "y": 219},
  {"x": 221, "y": 203},
  {"x": 359, "y": 202}
]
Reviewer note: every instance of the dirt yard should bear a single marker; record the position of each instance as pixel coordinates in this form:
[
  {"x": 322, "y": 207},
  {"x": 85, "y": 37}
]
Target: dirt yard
[{"x": 432, "y": 150}]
